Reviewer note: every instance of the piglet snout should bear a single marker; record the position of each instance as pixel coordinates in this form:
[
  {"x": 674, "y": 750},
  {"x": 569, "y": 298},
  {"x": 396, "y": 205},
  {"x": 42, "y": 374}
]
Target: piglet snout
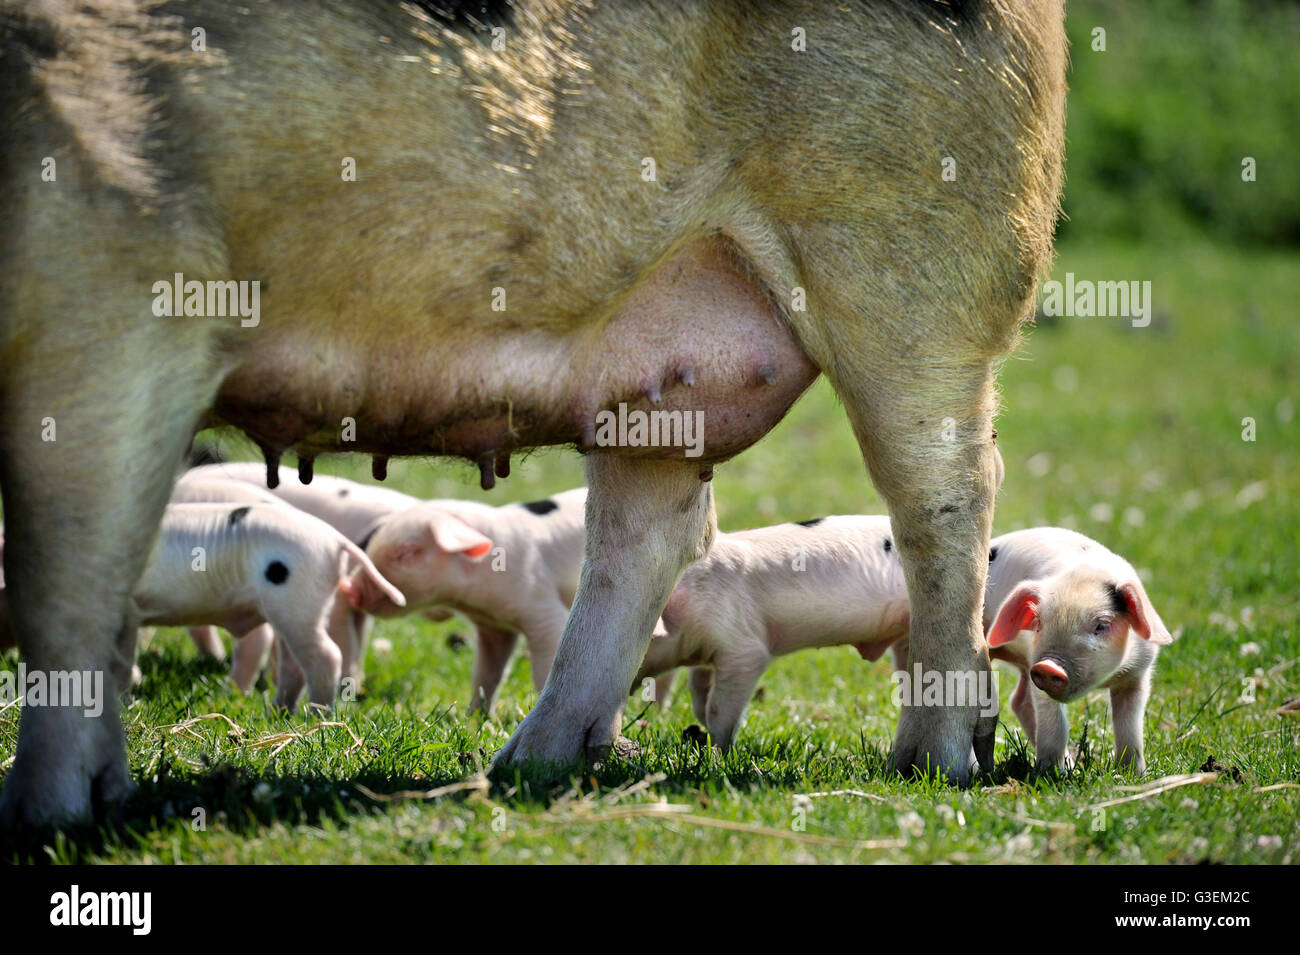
[{"x": 1050, "y": 677}]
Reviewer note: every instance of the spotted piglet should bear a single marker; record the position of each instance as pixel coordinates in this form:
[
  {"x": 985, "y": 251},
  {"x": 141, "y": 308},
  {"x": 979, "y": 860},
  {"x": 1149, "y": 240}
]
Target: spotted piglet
[
  {"x": 351, "y": 508},
  {"x": 241, "y": 566},
  {"x": 250, "y": 649}
]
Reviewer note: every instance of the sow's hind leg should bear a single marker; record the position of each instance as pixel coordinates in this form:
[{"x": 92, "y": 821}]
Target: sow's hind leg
[
  {"x": 915, "y": 289},
  {"x": 647, "y": 520}
]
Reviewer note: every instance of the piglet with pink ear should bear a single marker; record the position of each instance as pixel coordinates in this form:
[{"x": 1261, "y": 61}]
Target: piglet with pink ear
[
  {"x": 1072, "y": 616},
  {"x": 511, "y": 569}
]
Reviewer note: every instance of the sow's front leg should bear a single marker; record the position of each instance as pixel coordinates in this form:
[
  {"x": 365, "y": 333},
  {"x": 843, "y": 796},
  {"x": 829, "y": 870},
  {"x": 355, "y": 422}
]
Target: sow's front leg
[
  {"x": 76, "y": 541},
  {"x": 100, "y": 400},
  {"x": 647, "y": 521}
]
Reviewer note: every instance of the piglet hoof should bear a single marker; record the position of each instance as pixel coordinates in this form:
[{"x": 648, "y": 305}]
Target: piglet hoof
[
  {"x": 1053, "y": 765},
  {"x": 1129, "y": 763}
]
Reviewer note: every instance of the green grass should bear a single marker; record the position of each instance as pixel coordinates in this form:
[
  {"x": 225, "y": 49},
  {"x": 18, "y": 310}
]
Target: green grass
[
  {"x": 1160, "y": 122},
  {"x": 1132, "y": 436}
]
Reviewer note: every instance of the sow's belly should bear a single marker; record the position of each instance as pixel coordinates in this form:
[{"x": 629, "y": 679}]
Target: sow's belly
[{"x": 694, "y": 363}]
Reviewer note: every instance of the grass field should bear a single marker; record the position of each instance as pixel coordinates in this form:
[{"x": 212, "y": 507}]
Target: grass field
[{"x": 1134, "y": 436}]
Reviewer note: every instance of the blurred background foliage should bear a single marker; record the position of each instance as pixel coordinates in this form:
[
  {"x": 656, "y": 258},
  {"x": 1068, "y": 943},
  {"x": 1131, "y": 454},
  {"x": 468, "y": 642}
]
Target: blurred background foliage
[{"x": 1160, "y": 121}]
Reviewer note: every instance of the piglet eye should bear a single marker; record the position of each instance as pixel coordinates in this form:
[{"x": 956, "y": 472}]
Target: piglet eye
[{"x": 1102, "y": 628}]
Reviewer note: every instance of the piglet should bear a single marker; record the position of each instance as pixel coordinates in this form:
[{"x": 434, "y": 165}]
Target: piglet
[
  {"x": 763, "y": 593},
  {"x": 201, "y": 486},
  {"x": 241, "y": 566},
  {"x": 354, "y": 509},
  {"x": 1071, "y": 616},
  {"x": 511, "y": 569}
]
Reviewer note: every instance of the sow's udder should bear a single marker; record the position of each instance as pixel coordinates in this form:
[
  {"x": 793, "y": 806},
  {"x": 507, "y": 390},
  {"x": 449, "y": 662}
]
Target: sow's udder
[
  {"x": 696, "y": 340},
  {"x": 694, "y": 364}
]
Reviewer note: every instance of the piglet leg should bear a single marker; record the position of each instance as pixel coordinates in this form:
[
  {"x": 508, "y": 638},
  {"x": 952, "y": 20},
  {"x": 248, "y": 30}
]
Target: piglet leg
[
  {"x": 664, "y": 687},
  {"x": 289, "y": 678},
  {"x": 543, "y": 631},
  {"x": 734, "y": 680},
  {"x": 250, "y": 655},
  {"x": 208, "y": 642},
  {"x": 1022, "y": 705},
  {"x": 306, "y": 642},
  {"x": 349, "y": 629},
  {"x": 701, "y": 684},
  {"x": 1051, "y": 733},
  {"x": 491, "y": 663},
  {"x": 1128, "y": 704}
]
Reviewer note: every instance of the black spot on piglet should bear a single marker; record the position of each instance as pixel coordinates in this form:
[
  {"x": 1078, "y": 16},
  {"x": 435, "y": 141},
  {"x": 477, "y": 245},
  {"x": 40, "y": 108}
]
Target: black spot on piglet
[
  {"x": 276, "y": 572},
  {"x": 237, "y": 515},
  {"x": 1117, "y": 601},
  {"x": 889, "y": 545},
  {"x": 343, "y": 492},
  {"x": 540, "y": 507},
  {"x": 812, "y": 522},
  {"x": 993, "y": 555}
]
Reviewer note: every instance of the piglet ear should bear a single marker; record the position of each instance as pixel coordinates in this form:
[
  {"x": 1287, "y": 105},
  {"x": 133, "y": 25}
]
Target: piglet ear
[
  {"x": 1018, "y": 612},
  {"x": 1142, "y": 616},
  {"x": 456, "y": 537}
]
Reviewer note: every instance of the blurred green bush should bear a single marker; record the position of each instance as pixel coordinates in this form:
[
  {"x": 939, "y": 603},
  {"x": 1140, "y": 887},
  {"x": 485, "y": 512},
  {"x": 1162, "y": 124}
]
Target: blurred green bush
[{"x": 1159, "y": 123}]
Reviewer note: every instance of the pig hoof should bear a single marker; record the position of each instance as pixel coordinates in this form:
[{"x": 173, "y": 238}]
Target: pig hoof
[
  {"x": 695, "y": 735},
  {"x": 554, "y": 737},
  {"x": 937, "y": 740},
  {"x": 52, "y": 789},
  {"x": 1050, "y": 763}
]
